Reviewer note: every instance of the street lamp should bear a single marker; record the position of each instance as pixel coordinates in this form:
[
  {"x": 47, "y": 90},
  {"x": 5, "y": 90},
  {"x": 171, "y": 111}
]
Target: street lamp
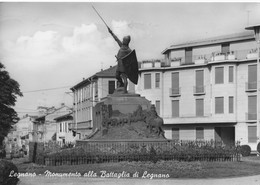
[{"x": 256, "y": 29}]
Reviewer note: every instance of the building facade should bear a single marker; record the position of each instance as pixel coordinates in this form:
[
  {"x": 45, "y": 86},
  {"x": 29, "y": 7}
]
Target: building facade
[
  {"x": 46, "y": 125},
  {"x": 21, "y": 134},
  {"x": 64, "y": 129},
  {"x": 206, "y": 89},
  {"x": 87, "y": 93}
]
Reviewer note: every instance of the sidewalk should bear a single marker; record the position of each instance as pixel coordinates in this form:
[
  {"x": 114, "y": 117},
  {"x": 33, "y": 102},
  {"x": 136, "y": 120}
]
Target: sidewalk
[{"x": 251, "y": 180}]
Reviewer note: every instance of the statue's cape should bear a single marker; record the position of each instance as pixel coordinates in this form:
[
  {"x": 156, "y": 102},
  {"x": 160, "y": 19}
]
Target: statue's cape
[{"x": 131, "y": 66}]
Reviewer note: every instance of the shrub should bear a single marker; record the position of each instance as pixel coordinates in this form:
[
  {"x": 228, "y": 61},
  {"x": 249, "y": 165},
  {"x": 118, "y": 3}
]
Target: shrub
[
  {"x": 6, "y": 168},
  {"x": 245, "y": 150}
]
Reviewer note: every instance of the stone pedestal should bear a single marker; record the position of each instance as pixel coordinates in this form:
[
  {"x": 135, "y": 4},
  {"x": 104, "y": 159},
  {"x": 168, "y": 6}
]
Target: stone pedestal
[{"x": 115, "y": 112}]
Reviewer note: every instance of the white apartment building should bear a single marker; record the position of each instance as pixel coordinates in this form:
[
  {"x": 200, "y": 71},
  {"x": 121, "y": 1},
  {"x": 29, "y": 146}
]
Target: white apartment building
[
  {"x": 206, "y": 89},
  {"x": 86, "y": 94}
]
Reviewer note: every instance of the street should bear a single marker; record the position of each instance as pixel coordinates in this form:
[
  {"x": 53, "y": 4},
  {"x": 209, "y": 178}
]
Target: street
[{"x": 252, "y": 180}]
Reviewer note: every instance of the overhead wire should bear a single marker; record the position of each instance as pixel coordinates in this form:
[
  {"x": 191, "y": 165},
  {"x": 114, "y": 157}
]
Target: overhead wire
[{"x": 49, "y": 89}]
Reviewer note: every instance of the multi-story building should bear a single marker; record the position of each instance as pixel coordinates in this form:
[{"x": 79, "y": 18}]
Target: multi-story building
[
  {"x": 206, "y": 89},
  {"x": 46, "y": 125},
  {"x": 21, "y": 134},
  {"x": 87, "y": 93},
  {"x": 64, "y": 128}
]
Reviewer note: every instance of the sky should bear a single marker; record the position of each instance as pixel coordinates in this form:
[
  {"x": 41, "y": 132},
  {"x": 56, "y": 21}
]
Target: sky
[{"x": 49, "y": 47}]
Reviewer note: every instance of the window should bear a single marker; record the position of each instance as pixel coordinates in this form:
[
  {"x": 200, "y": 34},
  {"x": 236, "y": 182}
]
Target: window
[
  {"x": 175, "y": 133},
  {"x": 225, "y": 48},
  {"x": 199, "y": 88},
  {"x": 231, "y": 74},
  {"x": 175, "y": 108},
  {"x": 175, "y": 83},
  {"x": 188, "y": 55},
  {"x": 111, "y": 87},
  {"x": 157, "y": 105},
  {"x": 78, "y": 96},
  {"x": 199, "y": 133},
  {"x": 157, "y": 80},
  {"x": 81, "y": 94},
  {"x": 219, "y": 105},
  {"x": 219, "y": 75},
  {"x": 60, "y": 127},
  {"x": 252, "y": 108},
  {"x": 252, "y": 137},
  {"x": 96, "y": 89},
  {"x": 147, "y": 81},
  {"x": 252, "y": 77},
  {"x": 199, "y": 107},
  {"x": 231, "y": 104}
]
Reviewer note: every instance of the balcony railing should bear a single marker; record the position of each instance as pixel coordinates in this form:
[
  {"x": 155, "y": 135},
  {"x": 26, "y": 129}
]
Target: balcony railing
[
  {"x": 175, "y": 91},
  {"x": 216, "y": 56},
  {"x": 152, "y": 64},
  {"x": 251, "y": 86},
  {"x": 189, "y": 116},
  {"x": 198, "y": 90},
  {"x": 251, "y": 116}
]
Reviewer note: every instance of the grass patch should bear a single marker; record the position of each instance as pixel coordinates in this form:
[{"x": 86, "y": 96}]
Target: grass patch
[{"x": 175, "y": 169}]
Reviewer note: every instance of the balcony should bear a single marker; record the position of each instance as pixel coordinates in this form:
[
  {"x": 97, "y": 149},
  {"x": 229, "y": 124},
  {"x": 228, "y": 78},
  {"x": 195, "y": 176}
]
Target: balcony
[
  {"x": 252, "y": 54},
  {"x": 174, "y": 92},
  {"x": 216, "y": 56},
  {"x": 176, "y": 62},
  {"x": 251, "y": 117},
  {"x": 151, "y": 64},
  {"x": 199, "y": 90},
  {"x": 251, "y": 86},
  {"x": 206, "y": 58}
]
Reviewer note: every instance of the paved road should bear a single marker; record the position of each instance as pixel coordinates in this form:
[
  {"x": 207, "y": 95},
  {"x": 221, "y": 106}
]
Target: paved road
[{"x": 251, "y": 180}]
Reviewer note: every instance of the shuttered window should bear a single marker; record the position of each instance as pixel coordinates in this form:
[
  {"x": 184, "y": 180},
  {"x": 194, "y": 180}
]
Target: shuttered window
[
  {"x": 175, "y": 108},
  {"x": 96, "y": 89},
  {"x": 157, "y": 105},
  {"x": 252, "y": 107},
  {"x": 219, "y": 75},
  {"x": 252, "y": 76},
  {"x": 199, "y": 88},
  {"x": 225, "y": 48},
  {"x": 147, "y": 81},
  {"x": 231, "y": 74},
  {"x": 111, "y": 87},
  {"x": 188, "y": 55},
  {"x": 175, "y": 83},
  {"x": 231, "y": 104},
  {"x": 252, "y": 137},
  {"x": 199, "y": 107},
  {"x": 199, "y": 133},
  {"x": 157, "y": 80},
  {"x": 219, "y": 105},
  {"x": 175, "y": 133}
]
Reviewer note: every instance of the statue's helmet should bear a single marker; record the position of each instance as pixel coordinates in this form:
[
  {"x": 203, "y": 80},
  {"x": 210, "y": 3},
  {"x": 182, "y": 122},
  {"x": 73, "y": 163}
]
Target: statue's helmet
[{"x": 126, "y": 40}]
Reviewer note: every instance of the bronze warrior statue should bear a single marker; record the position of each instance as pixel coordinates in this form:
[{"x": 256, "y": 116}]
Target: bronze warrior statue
[
  {"x": 127, "y": 66},
  {"x": 123, "y": 51}
]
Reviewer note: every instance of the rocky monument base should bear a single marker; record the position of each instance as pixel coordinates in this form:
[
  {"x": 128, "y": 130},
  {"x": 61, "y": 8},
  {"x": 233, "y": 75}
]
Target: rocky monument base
[{"x": 126, "y": 116}]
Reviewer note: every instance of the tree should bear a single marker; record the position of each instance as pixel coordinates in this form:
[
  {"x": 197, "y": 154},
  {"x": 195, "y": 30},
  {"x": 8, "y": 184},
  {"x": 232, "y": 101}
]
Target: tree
[{"x": 9, "y": 90}]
